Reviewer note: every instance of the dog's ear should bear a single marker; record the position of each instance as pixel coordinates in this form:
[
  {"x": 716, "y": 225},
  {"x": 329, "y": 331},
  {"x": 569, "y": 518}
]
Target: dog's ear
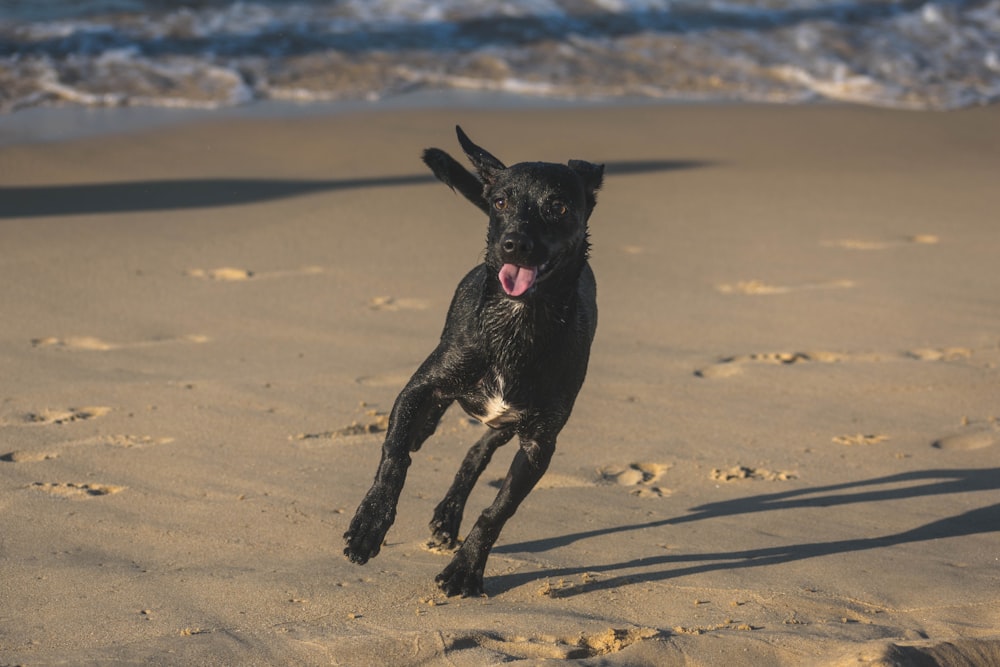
[
  {"x": 456, "y": 177},
  {"x": 485, "y": 163},
  {"x": 592, "y": 176}
]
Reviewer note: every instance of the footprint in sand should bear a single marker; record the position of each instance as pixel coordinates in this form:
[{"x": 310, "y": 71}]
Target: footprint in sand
[
  {"x": 861, "y": 244},
  {"x": 76, "y": 491},
  {"x": 740, "y": 473},
  {"x": 90, "y": 343},
  {"x": 640, "y": 475},
  {"x": 545, "y": 647},
  {"x": 759, "y": 288},
  {"x": 21, "y": 456},
  {"x": 57, "y": 417},
  {"x": 376, "y": 422},
  {"x": 226, "y": 274},
  {"x": 229, "y": 274},
  {"x": 734, "y": 365},
  {"x": 729, "y": 366},
  {"x": 123, "y": 441},
  {"x": 976, "y": 438},
  {"x": 860, "y": 439},
  {"x": 939, "y": 354},
  {"x": 391, "y": 303}
]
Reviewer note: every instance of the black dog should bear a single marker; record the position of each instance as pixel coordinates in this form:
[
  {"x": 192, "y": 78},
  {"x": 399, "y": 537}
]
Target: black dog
[{"x": 513, "y": 352}]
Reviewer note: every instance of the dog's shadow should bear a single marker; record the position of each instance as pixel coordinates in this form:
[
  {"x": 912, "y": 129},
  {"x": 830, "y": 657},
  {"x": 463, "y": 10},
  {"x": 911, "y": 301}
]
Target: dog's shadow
[
  {"x": 33, "y": 201},
  {"x": 662, "y": 567}
]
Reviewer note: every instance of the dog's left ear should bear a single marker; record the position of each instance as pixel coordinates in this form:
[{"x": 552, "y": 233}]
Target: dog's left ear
[
  {"x": 484, "y": 162},
  {"x": 592, "y": 176},
  {"x": 456, "y": 177}
]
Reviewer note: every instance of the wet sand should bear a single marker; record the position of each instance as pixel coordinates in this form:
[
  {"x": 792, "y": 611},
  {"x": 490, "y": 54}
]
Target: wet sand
[{"x": 784, "y": 454}]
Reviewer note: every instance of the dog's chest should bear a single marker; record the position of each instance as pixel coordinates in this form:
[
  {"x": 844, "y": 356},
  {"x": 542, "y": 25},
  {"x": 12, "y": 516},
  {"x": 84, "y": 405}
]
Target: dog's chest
[
  {"x": 516, "y": 338},
  {"x": 489, "y": 404}
]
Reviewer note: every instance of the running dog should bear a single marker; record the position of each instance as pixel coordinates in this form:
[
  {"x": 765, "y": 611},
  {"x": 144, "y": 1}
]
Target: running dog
[{"x": 513, "y": 352}]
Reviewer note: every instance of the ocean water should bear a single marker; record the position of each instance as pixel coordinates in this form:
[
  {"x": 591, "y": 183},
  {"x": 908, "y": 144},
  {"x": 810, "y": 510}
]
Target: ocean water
[{"x": 938, "y": 54}]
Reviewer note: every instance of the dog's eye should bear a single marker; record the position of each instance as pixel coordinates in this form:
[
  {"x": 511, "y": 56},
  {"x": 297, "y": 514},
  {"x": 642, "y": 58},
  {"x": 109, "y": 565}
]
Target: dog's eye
[
  {"x": 559, "y": 209},
  {"x": 500, "y": 203}
]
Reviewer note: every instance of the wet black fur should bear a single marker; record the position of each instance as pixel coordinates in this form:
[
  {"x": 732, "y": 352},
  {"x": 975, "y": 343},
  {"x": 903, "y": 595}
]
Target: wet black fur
[{"x": 531, "y": 350}]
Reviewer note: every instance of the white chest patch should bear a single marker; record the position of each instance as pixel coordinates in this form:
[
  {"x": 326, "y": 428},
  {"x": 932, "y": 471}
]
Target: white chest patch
[{"x": 496, "y": 410}]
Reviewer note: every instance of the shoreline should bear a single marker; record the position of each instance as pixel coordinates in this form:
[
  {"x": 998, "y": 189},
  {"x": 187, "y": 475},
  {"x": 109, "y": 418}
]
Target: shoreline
[
  {"x": 69, "y": 122},
  {"x": 74, "y": 122}
]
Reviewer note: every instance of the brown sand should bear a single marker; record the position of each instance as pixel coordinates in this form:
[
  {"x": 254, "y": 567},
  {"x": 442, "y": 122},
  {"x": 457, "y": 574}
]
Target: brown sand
[{"x": 785, "y": 452}]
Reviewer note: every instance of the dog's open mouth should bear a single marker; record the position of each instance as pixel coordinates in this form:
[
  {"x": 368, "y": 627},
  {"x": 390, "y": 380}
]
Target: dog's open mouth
[{"x": 516, "y": 280}]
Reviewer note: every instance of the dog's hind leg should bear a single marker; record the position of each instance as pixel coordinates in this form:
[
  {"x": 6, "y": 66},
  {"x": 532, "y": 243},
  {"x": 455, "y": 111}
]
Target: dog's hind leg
[
  {"x": 414, "y": 418},
  {"x": 448, "y": 514},
  {"x": 464, "y": 575}
]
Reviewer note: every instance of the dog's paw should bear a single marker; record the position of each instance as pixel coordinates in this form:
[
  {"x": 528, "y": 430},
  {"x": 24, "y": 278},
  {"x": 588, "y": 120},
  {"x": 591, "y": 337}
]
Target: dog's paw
[
  {"x": 360, "y": 548},
  {"x": 442, "y": 540},
  {"x": 444, "y": 531},
  {"x": 366, "y": 534},
  {"x": 461, "y": 579},
  {"x": 358, "y": 552}
]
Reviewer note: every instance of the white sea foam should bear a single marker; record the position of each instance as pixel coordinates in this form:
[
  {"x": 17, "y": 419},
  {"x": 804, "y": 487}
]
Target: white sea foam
[{"x": 936, "y": 54}]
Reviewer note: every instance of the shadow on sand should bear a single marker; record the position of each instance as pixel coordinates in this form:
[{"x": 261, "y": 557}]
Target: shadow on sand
[
  {"x": 925, "y": 483},
  {"x": 163, "y": 195}
]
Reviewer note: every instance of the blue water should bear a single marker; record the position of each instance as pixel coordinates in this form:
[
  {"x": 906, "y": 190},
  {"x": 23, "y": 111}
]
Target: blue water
[{"x": 942, "y": 54}]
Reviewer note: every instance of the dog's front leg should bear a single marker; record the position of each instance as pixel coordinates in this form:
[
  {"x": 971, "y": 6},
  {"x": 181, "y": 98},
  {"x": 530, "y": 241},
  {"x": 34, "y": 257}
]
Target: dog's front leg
[
  {"x": 414, "y": 417},
  {"x": 464, "y": 575},
  {"x": 448, "y": 514}
]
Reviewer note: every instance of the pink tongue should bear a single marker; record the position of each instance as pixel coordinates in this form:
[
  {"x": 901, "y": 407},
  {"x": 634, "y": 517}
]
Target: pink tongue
[{"x": 516, "y": 280}]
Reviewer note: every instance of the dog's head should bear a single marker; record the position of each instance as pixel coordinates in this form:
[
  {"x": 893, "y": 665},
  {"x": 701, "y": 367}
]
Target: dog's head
[{"x": 538, "y": 213}]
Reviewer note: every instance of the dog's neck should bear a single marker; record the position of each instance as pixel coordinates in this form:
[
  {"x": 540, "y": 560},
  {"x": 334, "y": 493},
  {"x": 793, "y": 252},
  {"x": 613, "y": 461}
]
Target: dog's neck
[{"x": 515, "y": 325}]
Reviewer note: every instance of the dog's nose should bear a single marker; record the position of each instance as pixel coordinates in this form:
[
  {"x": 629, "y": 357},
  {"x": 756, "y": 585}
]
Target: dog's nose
[{"x": 516, "y": 244}]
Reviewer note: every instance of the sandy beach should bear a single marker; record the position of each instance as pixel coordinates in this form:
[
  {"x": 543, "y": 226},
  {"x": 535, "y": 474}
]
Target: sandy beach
[{"x": 785, "y": 452}]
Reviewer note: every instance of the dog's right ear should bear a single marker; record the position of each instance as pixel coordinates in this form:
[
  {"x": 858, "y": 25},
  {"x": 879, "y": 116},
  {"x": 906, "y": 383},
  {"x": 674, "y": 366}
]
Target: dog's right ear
[
  {"x": 485, "y": 163},
  {"x": 456, "y": 177},
  {"x": 592, "y": 176}
]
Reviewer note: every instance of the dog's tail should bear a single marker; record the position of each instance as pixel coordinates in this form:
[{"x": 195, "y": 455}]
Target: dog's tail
[{"x": 456, "y": 177}]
